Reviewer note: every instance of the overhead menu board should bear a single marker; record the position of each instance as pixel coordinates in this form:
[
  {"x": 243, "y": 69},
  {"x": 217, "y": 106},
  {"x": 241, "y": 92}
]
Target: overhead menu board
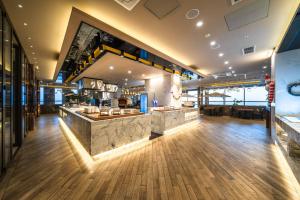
[{"x": 95, "y": 84}]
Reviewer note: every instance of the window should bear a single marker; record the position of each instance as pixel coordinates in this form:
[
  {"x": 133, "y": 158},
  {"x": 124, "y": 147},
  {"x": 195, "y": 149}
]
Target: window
[
  {"x": 248, "y": 96},
  {"x": 192, "y": 95},
  {"x": 41, "y": 96},
  {"x": 59, "y": 78},
  {"x": 216, "y": 100},
  {"x": 58, "y": 96},
  {"x": 235, "y": 96},
  {"x": 256, "y": 96}
]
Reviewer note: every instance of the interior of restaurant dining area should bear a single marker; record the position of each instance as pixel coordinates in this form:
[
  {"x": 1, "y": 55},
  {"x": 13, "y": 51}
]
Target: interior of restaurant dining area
[{"x": 150, "y": 99}]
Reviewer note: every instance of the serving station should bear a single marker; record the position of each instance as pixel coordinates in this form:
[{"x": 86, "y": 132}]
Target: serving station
[
  {"x": 125, "y": 93},
  {"x": 164, "y": 119},
  {"x": 98, "y": 134}
]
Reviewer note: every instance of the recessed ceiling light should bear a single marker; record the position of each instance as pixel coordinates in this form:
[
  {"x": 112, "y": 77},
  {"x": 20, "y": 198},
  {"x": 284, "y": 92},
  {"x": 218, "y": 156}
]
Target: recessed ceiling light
[
  {"x": 6, "y": 40},
  {"x": 230, "y": 67},
  {"x": 213, "y": 43},
  {"x": 234, "y": 75},
  {"x": 25, "y": 24},
  {"x": 221, "y": 54},
  {"x": 125, "y": 84},
  {"x": 33, "y": 53},
  {"x": 226, "y": 62},
  {"x": 207, "y": 35},
  {"x": 29, "y": 38},
  {"x": 111, "y": 67},
  {"x": 126, "y": 79},
  {"x": 264, "y": 67},
  {"x": 199, "y": 23},
  {"x": 31, "y": 46},
  {"x": 37, "y": 67},
  {"x": 233, "y": 71},
  {"x": 20, "y": 5},
  {"x": 129, "y": 71},
  {"x": 143, "y": 75},
  {"x": 34, "y": 58}
]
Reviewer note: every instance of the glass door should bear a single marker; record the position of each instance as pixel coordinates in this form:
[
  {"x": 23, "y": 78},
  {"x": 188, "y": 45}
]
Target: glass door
[
  {"x": 7, "y": 92},
  {"x": 1, "y": 96}
]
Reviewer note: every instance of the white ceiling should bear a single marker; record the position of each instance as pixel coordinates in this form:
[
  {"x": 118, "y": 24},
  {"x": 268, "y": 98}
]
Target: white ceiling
[
  {"x": 101, "y": 70},
  {"x": 173, "y": 35}
]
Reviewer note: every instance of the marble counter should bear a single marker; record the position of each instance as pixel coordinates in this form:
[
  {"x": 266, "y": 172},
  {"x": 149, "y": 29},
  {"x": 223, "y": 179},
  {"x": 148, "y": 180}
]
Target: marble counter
[
  {"x": 103, "y": 135},
  {"x": 293, "y": 134},
  {"x": 164, "y": 120}
]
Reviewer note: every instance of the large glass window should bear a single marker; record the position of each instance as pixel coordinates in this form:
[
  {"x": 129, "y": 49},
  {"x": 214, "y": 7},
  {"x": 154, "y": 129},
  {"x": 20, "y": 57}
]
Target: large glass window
[
  {"x": 58, "y": 96},
  {"x": 59, "y": 78},
  {"x": 41, "y": 95},
  {"x": 256, "y": 96},
  {"x": 248, "y": 96},
  {"x": 215, "y": 99},
  {"x": 235, "y": 96},
  {"x": 7, "y": 93}
]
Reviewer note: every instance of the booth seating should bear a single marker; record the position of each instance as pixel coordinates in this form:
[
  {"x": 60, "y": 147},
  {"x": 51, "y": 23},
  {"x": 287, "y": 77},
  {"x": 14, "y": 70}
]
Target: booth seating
[{"x": 244, "y": 112}]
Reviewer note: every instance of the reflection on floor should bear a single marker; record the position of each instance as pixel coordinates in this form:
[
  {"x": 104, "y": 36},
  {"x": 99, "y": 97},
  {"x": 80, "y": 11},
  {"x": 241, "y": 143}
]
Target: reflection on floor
[{"x": 217, "y": 158}]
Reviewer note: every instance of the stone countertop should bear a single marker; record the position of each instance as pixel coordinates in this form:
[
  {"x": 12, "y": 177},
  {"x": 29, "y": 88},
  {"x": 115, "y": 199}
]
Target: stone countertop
[
  {"x": 92, "y": 118},
  {"x": 294, "y": 125},
  {"x": 184, "y": 109},
  {"x": 292, "y": 128},
  {"x": 97, "y": 117}
]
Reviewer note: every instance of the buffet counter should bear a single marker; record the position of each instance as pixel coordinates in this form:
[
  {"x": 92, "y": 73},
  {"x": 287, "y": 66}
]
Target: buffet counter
[
  {"x": 98, "y": 134},
  {"x": 163, "y": 120}
]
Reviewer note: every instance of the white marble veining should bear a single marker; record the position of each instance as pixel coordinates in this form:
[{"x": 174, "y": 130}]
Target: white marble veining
[
  {"x": 162, "y": 121},
  {"x": 103, "y": 135}
]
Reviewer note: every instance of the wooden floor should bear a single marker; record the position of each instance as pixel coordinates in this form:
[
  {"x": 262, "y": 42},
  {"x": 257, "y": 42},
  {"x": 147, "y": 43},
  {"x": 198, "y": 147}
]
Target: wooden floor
[{"x": 217, "y": 158}]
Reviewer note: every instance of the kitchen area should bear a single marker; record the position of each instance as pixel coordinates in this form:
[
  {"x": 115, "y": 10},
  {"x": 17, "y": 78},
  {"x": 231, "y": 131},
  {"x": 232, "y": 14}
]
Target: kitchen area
[
  {"x": 124, "y": 93},
  {"x": 104, "y": 117}
]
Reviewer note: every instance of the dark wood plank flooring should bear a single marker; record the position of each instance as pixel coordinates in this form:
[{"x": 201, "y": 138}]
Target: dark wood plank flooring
[{"x": 217, "y": 158}]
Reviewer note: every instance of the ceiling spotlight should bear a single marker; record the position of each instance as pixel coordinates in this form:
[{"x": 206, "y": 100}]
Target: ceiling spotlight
[
  {"x": 29, "y": 38},
  {"x": 25, "y": 24},
  {"x": 221, "y": 54},
  {"x": 213, "y": 43},
  {"x": 207, "y": 35},
  {"x": 233, "y": 71},
  {"x": 37, "y": 67},
  {"x": 230, "y": 67},
  {"x": 264, "y": 67},
  {"x": 31, "y": 46},
  {"x": 33, "y": 53},
  {"x": 126, "y": 79},
  {"x": 20, "y": 5},
  {"x": 234, "y": 75},
  {"x": 143, "y": 75},
  {"x": 226, "y": 62},
  {"x": 125, "y": 83},
  {"x": 129, "y": 71},
  {"x": 111, "y": 67},
  {"x": 199, "y": 23}
]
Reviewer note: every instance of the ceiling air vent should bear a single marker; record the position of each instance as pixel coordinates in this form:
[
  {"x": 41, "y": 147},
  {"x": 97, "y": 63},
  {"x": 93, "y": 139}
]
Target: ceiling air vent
[
  {"x": 234, "y": 2},
  {"x": 248, "y": 50},
  {"x": 128, "y": 4}
]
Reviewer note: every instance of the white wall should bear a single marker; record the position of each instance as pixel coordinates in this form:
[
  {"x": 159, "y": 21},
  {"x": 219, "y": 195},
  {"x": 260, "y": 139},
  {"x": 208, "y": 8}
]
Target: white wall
[
  {"x": 163, "y": 88},
  {"x": 287, "y": 70}
]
